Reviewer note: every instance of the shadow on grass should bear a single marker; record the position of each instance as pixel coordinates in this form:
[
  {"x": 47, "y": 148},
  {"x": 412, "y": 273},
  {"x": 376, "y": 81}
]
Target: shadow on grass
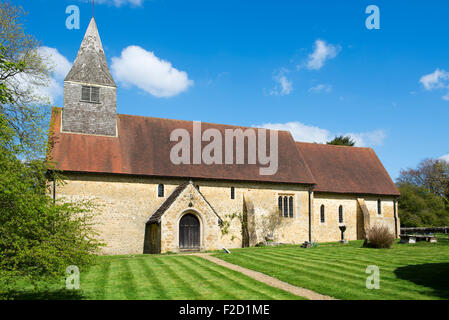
[
  {"x": 431, "y": 275},
  {"x": 61, "y": 294}
]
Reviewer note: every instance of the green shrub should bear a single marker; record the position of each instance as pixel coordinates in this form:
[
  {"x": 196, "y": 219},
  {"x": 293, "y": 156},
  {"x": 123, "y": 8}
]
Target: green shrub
[{"x": 380, "y": 237}]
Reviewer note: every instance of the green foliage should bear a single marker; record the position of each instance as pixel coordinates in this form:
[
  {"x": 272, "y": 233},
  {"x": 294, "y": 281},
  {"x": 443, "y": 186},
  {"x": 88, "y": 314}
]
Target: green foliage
[
  {"x": 431, "y": 174},
  {"x": 39, "y": 238},
  {"x": 226, "y": 223},
  {"x": 424, "y": 191},
  {"x": 24, "y": 72},
  {"x": 342, "y": 141},
  {"x": 418, "y": 207}
]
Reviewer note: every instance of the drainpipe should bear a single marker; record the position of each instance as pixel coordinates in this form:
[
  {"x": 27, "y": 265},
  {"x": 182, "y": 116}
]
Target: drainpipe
[
  {"x": 395, "y": 201},
  {"x": 310, "y": 215}
]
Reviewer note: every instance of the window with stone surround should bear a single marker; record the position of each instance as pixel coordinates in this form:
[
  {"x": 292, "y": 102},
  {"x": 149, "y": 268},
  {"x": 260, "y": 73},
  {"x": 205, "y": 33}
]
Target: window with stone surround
[
  {"x": 286, "y": 205},
  {"x": 340, "y": 214},
  {"x": 160, "y": 190},
  {"x": 322, "y": 216},
  {"x": 232, "y": 193},
  {"x": 379, "y": 206}
]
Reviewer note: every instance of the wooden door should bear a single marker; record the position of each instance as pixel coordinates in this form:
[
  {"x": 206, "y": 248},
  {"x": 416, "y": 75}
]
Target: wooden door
[{"x": 189, "y": 233}]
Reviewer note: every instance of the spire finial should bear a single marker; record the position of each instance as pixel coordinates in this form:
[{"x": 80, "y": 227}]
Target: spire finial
[{"x": 93, "y": 8}]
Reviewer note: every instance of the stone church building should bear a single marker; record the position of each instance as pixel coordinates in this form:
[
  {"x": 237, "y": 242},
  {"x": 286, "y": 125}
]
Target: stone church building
[{"x": 148, "y": 204}]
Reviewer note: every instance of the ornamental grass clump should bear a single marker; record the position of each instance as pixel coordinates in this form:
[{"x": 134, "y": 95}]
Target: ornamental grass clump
[{"x": 379, "y": 237}]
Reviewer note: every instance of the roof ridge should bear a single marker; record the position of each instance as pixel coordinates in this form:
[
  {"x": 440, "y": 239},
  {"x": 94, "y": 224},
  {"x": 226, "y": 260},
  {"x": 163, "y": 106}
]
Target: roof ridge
[
  {"x": 332, "y": 145},
  {"x": 155, "y": 217},
  {"x": 165, "y": 205},
  {"x": 202, "y": 122}
]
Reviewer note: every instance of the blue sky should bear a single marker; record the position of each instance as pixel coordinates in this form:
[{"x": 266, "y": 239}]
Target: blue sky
[{"x": 256, "y": 63}]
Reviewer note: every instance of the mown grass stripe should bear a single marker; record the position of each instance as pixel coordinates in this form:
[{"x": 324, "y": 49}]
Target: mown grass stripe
[
  {"x": 99, "y": 286},
  {"x": 162, "y": 278},
  {"x": 330, "y": 269},
  {"x": 176, "y": 276},
  {"x": 223, "y": 288},
  {"x": 342, "y": 264},
  {"x": 144, "y": 285},
  {"x": 152, "y": 276},
  {"x": 128, "y": 286},
  {"x": 354, "y": 256},
  {"x": 240, "y": 280},
  {"x": 114, "y": 286},
  {"x": 325, "y": 275},
  {"x": 353, "y": 269}
]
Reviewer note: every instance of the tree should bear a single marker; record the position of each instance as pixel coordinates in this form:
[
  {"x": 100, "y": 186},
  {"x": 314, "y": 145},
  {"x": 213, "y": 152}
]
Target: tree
[
  {"x": 431, "y": 174},
  {"x": 26, "y": 111},
  {"x": 424, "y": 194},
  {"x": 342, "y": 141},
  {"x": 39, "y": 237},
  {"x": 418, "y": 207}
]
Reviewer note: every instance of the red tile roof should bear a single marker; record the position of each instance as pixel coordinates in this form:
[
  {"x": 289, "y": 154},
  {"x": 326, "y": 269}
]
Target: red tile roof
[
  {"x": 143, "y": 148},
  {"x": 342, "y": 169}
]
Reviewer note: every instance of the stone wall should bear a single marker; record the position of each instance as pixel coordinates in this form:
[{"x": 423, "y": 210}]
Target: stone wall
[
  {"x": 190, "y": 201},
  {"x": 125, "y": 203},
  {"x": 352, "y": 215}
]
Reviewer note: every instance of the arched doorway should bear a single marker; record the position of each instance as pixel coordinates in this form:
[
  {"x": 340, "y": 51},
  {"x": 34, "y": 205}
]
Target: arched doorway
[{"x": 189, "y": 233}]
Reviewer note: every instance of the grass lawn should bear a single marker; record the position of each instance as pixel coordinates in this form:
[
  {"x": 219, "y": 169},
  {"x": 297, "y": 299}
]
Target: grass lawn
[
  {"x": 407, "y": 271},
  {"x": 159, "y": 277}
]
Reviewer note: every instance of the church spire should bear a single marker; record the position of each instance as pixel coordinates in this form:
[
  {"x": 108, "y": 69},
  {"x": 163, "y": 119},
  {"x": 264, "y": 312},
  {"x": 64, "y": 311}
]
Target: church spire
[
  {"x": 90, "y": 65},
  {"x": 90, "y": 93}
]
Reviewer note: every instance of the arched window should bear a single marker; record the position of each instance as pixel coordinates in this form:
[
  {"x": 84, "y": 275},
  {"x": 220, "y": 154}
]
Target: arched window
[
  {"x": 160, "y": 190},
  {"x": 340, "y": 214},
  {"x": 286, "y": 207},
  {"x": 290, "y": 207},
  {"x": 379, "y": 206},
  {"x": 232, "y": 193},
  {"x": 280, "y": 205},
  {"x": 322, "y": 218}
]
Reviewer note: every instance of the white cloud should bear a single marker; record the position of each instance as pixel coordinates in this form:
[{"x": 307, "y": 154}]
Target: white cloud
[
  {"x": 439, "y": 79},
  {"x": 326, "y": 88},
  {"x": 283, "y": 85},
  {"x": 300, "y": 131},
  {"x": 143, "y": 69},
  {"x": 306, "y": 133},
  {"x": 119, "y": 3},
  {"x": 60, "y": 67},
  {"x": 435, "y": 80},
  {"x": 445, "y": 157},
  {"x": 371, "y": 138},
  {"x": 322, "y": 52}
]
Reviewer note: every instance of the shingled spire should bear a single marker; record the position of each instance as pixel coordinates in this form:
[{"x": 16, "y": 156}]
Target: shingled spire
[
  {"x": 90, "y": 93},
  {"x": 90, "y": 64}
]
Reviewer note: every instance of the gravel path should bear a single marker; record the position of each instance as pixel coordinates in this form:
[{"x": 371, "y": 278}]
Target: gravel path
[{"x": 306, "y": 293}]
